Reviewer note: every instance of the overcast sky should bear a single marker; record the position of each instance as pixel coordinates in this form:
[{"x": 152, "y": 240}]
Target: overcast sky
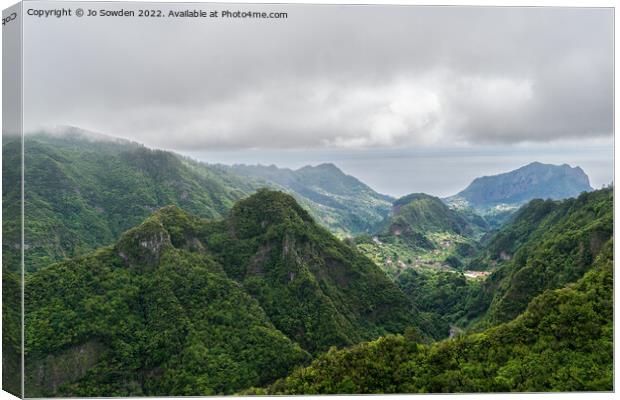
[{"x": 329, "y": 77}]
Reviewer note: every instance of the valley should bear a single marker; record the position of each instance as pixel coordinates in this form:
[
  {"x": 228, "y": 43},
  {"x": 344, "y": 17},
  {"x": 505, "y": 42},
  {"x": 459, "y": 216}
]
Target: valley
[
  {"x": 149, "y": 273},
  {"x": 396, "y": 256}
]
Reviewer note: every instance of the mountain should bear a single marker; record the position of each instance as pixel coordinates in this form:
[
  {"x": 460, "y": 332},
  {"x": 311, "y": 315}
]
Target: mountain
[
  {"x": 422, "y": 231},
  {"x": 150, "y": 315},
  {"x": 315, "y": 288},
  {"x": 514, "y": 188},
  {"x": 423, "y": 246},
  {"x": 87, "y": 188},
  {"x": 424, "y": 213},
  {"x": 185, "y": 306},
  {"x": 152, "y": 274},
  {"x": 83, "y": 192},
  {"x": 562, "y": 342},
  {"x": 339, "y": 201},
  {"x": 546, "y": 245}
]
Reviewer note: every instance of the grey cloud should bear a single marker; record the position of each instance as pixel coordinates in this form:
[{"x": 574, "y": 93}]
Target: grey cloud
[{"x": 348, "y": 76}]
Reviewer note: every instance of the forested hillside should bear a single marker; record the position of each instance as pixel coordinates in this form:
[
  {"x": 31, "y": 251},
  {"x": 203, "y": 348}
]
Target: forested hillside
[
  {"x": 86, "y": 189},
  {"x": 286, "y": 261},
  {"x": 425, "y": 213},
  {"x": 145, "y": 317},
  {"x": 184, "y": 306},
  {"x": 148, "y": 273},
  {"x": 562, "y": 342},
  {"x": 82, "y": 193},
  {"x": 545, "y": 246},
  {"x": 444, "y": 296},
  {"x": 340, "y": 202}
]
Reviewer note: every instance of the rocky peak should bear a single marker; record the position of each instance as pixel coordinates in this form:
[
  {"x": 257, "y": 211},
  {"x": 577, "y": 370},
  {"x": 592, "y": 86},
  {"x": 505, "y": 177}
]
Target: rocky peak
[{"x": 144, "y": 244}]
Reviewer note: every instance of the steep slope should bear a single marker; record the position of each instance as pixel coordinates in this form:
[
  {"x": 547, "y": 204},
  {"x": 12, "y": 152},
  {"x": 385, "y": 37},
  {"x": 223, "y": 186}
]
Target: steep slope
[
  {"x": 82, "y": 192},
  {"x": 338, "y": 201},
  {"x": 546, "y": 245},
  {"x": 562, "y": 342},
  {"x": 316, "y": 289},
  {"x": 185, "y": 306},
  {"x": 532, "y": 181},
  {"x": 152, "y": 315},
  {"x": 88, "y": 188}
]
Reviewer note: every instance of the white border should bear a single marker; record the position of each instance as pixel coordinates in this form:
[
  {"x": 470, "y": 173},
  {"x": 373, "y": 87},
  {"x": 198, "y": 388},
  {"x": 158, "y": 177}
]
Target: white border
[{"x": 557, "y": 3}]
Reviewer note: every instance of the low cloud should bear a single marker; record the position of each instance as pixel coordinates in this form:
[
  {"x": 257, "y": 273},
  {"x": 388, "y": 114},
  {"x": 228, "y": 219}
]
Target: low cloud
[{"x": 330, "y": 76}]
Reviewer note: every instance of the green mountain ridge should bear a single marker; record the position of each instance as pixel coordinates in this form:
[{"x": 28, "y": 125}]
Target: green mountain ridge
[
  {"x": 341, "y": 202},
  {"x": 149, "y": 273},
  {"x": 88, "y": 188},
  {"x": 562, "y": 342},
  {"x": 147, "y": 317},
  {"x": 426, "y": 213},
  {"x": 349, "y": 286},
  {"x": 546, "y": 245},
  {"x": 82, "y": 194},
  {"x": 186, "y": 306}
]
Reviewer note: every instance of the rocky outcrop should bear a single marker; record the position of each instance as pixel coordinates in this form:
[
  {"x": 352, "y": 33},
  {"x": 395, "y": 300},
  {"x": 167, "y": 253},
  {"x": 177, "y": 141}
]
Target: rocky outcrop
[
  {"x": 144, "y": 245},
  {"x": 47, "y": 374}
]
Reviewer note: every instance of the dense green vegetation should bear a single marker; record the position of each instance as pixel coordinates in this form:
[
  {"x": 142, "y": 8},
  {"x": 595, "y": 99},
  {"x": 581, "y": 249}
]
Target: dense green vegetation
[
  {"x": 11, "y": 274},
  {"x": 184, "y": 306},
  {"x": 562, "y": 342},
  {"x": 296, "y": 268},
  {"x": 82, "y": 193},
  {"x": 11, "y": 333},
  {"x": 151, "y": 274},
  {"x": 545, "y": 246},
  {"x": 338, "y": 201},
  {"x": 423, "y": 232},
  {"x": 11, "y": 207},
  {"x": 152, "y": 319},
  {"x": 444, "y": 295},
  {"x": 83, "y": 190},
  {"x": 425, "y": 213}
]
